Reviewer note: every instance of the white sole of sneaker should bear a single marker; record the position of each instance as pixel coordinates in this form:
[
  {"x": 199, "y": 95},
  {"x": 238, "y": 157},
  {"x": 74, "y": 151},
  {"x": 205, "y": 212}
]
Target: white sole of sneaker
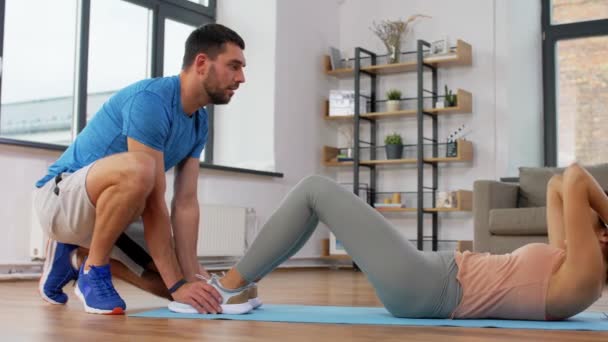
[
  {"x": 227, "y": 309},
  {"x": 88, "y": 309},
  {"x": 255, "y": 303},
  {"x": 46, "y": 270}
]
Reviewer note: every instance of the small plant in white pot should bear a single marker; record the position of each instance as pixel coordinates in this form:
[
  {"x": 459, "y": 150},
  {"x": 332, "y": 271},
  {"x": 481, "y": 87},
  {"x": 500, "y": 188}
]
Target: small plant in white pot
[
  {"x": 451, "y": 99},
  {"x": 394, "y": 100},
  {"x": 394, "y": 146}
]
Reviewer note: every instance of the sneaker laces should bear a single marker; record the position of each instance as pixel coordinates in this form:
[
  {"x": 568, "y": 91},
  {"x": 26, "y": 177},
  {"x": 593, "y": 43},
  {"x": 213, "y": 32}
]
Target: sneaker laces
[
  {"x": 102, "y": 282},
  {"x": 202, "y": 277},
  {"x": 207, "y": 278}
]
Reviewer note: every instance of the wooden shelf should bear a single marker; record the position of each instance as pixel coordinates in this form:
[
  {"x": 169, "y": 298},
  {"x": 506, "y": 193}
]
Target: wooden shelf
[
  {"x": 464, "y": 200},
  {"x": 465, "y": 105},
  {"x": 464, "y": 154},
  {"x": 396, "y": 210},
  {"x": 462, "y": 56},
  {"x": 336, "y": 257}
]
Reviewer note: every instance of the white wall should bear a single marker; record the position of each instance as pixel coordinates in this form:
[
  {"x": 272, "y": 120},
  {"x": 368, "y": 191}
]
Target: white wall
[
  {"x": 518, "y": 85},
  {"x": 244, "y": 135},
  {"x": 289, "y": 93},
  {"x": 505, "y": 37}
]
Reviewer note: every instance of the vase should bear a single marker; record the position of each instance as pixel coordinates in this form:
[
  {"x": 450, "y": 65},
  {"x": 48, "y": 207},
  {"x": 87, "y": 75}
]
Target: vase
[{"x": 394, "y": 52}]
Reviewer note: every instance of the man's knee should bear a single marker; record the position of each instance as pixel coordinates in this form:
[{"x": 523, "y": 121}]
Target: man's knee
[{"x": 139, "y": 173}]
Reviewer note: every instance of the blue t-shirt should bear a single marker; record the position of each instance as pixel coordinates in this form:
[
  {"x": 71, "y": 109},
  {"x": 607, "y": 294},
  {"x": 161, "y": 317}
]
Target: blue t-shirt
[{"x": 149, "y": 111}]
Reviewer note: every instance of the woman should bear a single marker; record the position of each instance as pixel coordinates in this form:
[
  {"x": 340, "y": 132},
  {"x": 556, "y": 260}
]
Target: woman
[{"x": 537, "y": 282}]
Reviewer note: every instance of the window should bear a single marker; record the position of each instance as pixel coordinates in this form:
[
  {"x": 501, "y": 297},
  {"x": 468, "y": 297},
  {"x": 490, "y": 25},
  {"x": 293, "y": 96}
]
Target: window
[
  {"x": 120, "y": 45},
  {"x": 582, "y": 100},
  {"x": 575, "y": 81},
  {"x": 571, "y": 11},
  {"x": 37, "y": 101},
  {"x": 63, "y": 59},
  {"x": 175, "y": 39},
  {"x": 59, "y": 71}
]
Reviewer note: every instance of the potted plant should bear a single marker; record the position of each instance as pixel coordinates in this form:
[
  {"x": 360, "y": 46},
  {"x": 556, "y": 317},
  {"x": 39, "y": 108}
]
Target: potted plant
[
  {"x": 394, "y": 146},
  {"x": 451, "y": 99},
  {"x": 394, "y": 98}
]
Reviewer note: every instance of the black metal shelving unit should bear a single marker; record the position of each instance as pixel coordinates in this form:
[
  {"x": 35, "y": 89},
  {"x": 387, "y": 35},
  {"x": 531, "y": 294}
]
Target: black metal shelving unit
[{"x": 421, "y": 68}]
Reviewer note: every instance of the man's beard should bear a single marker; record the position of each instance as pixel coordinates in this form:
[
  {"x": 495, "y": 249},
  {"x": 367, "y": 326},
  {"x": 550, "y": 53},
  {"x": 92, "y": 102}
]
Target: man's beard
[{"x": 216, "y": 94}]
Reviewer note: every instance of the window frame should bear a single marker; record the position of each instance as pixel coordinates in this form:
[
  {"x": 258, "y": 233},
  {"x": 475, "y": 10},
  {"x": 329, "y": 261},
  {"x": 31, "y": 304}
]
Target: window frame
[{"x": 551, "y": 35}]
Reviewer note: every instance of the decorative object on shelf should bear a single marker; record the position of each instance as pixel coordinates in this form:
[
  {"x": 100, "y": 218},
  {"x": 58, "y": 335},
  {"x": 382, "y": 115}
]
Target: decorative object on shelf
[
  {"x": 396, "y": 198},
  {"x": 391, "y": 34},
  {"x": 335, "y": 246},
  {"x": 342, "y": 102},
  {"x": 452, "y": 149},
  {"x": 451, "y": 100},
  {"x": 440, "y": 47},
  {"x": 387, "y": 201},
  {"x": 446, "y": 199},
  {"x": 394, "y": 146},
  {"x": 452, "y": 144},
  {"x": 346, "y": 154},
  {"x": 394, "y": 100},
  {"x": 335, "y": 58}
]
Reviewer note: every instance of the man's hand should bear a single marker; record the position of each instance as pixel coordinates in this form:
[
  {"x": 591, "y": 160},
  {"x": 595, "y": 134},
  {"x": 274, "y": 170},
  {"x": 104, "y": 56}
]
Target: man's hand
[{"x": 201, "y": 296}]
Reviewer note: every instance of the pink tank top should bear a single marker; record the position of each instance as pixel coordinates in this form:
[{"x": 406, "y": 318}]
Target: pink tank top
[{"x": 509, "y": 286}]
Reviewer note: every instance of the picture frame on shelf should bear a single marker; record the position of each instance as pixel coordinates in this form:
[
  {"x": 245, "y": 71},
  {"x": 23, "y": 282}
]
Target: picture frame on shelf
[
  {"x": 335, "y": 246},
  {"x": 445, "y": 199},
  {"x": 440, "y": 47},
  {"x": 342, "y": 102}
]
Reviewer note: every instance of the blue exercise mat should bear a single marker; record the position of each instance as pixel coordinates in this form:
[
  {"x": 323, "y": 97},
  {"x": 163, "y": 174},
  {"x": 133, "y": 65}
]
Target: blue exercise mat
[{"x": 379, "y": 316}]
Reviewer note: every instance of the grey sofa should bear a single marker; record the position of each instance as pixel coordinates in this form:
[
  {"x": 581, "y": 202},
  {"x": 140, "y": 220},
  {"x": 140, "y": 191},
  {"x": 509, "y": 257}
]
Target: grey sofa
[{"x": 510, "y": 215}]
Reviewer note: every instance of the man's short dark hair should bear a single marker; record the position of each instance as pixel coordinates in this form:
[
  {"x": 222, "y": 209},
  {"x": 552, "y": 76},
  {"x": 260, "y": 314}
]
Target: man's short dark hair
[{"x": 209, "y": 39}]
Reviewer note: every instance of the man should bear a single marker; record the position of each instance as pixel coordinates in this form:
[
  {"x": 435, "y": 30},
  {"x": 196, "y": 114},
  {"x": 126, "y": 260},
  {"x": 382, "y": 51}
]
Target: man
[{"x": 113, "y": 175}]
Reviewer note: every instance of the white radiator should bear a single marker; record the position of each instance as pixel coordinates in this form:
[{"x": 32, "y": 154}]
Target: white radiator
[
  {"x": 37, "y": 237},
  {"x": 223, "y": 230}
]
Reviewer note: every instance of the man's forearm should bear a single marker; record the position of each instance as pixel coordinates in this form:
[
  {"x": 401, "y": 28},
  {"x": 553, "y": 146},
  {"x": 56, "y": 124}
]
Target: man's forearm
[
  {"x": 157, "y": 232},
  {"x": 185, "y": 218}
]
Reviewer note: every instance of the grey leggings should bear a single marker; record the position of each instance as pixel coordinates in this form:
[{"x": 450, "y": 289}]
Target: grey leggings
[{"x": 410, "y": 283}]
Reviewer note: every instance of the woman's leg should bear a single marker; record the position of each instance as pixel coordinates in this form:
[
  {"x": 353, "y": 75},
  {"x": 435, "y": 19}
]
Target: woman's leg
[{"x": 409, "y": 282}]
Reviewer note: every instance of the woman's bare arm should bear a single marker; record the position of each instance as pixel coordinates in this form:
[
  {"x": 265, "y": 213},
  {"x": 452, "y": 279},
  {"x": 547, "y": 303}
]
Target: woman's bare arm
[
  {"x": 584, "y": 258},
  {"x": 580, "y": 279},
  {"x": 555, "y": 213}
]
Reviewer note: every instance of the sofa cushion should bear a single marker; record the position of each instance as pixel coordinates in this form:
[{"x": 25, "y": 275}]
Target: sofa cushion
[
  {"x": 518, "y": 221},
  {"x": 533, "y": 183}
]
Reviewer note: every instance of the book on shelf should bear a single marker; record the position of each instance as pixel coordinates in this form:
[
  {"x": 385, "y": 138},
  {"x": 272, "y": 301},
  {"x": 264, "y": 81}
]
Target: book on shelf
[{"x": 335, "y": 58}]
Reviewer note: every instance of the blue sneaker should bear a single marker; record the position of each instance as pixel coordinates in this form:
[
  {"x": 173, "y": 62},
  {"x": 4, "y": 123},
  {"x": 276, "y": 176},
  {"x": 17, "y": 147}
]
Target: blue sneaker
[
  {"x": 96, "y": 291},
  {"x": 57, "y": 272}
]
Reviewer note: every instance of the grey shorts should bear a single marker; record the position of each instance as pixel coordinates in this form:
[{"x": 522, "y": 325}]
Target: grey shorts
[{"x": 66, "y": 214}]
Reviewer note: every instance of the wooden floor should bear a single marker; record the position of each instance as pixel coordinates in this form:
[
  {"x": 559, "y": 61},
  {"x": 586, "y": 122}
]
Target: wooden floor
[{"x": 25, "y": 317}]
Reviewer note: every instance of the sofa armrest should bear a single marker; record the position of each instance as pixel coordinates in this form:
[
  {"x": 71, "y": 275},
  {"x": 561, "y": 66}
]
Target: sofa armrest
[{"x": 487, "y": 195}]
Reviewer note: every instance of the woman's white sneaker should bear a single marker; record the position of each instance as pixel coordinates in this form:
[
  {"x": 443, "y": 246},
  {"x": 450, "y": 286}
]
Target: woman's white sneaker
[
  {"x": 234, "y": 302},
  {"x": 254, "y": 299}
]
